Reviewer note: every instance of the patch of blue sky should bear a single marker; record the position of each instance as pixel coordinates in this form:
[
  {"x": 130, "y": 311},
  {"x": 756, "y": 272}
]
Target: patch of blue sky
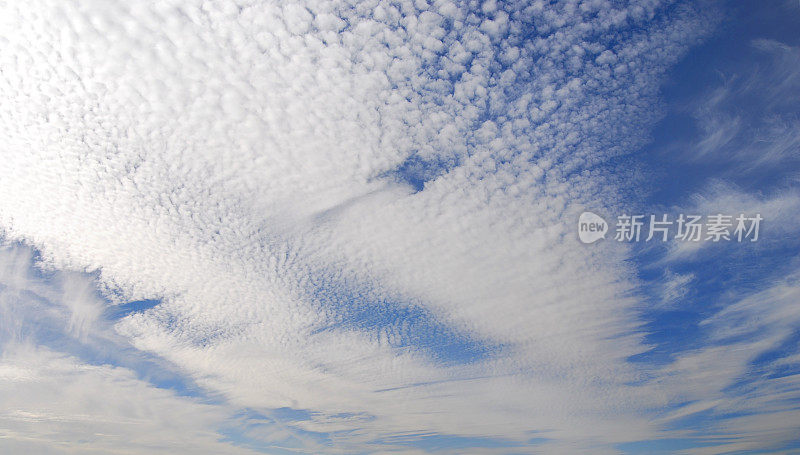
[
  {"x": 723, "y": 273},
  {"x": 720, "y": 276},
  {"x": 698, "y": 423},
  {"x": 273, "y": 432},
  {"x": 415, "y": 170},
  {"x": 664, "y": 446},
  {"x": 43, "y": 322},
  {"x": 138, "y": 306},
  {"x": 720, "y": 64},
  {"x": 97, "y": 350},
  {"x": 435, "y": 442},
  {"x": 786, "y": 348},
  {"x": 726, "y": 269},
  {"x": 400, "y": 322}
]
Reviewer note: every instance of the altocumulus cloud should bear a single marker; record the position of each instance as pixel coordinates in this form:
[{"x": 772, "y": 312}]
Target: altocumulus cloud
[
  {"x": 353, "y": 221},
  {"x": 63, "y": 368}
]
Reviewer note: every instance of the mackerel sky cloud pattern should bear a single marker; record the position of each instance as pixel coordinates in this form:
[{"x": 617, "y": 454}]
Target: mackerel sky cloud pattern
[{"x": 349, "y": 227}]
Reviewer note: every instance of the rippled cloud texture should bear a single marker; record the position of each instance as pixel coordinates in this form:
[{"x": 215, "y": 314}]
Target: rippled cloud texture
[{"x": 333, "y": 227}]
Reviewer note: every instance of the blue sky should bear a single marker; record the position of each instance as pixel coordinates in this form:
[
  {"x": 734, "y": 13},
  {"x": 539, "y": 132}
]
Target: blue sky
[{"x": 351, "y": 227}]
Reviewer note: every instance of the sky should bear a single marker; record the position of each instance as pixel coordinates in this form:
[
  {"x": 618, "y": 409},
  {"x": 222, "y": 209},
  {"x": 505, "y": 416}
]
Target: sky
[{"x": 353, "y": 227}]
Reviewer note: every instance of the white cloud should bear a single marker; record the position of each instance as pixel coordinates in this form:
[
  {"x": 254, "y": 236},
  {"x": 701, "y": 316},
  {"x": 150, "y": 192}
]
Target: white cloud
[
  {"x": 252, "y": 166},
  {"x": 87, "y": 408},
  {"x": 60, "y": 391},
  {"x": 758, "y": 413},
  {"x": 676, "y": 286},
  {"x": 747, "y": 123},
  {"x": 778, "y": 210}
]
